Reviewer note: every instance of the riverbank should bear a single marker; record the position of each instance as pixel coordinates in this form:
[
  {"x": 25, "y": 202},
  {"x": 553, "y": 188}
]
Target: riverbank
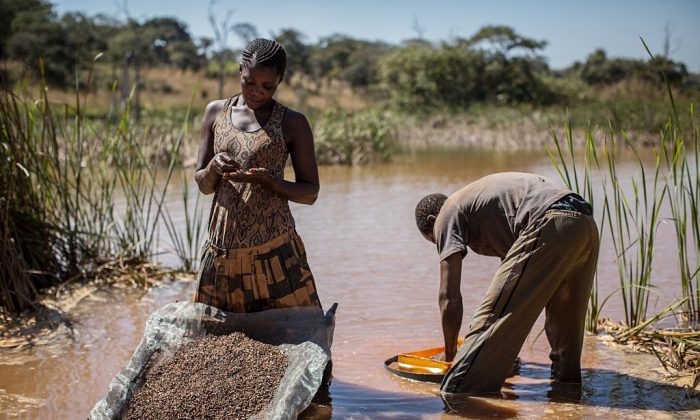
[
  {"x": 677, "y": 350},
  {"x": 52, "y": 316},
  {"x": 522, "y": 133}
]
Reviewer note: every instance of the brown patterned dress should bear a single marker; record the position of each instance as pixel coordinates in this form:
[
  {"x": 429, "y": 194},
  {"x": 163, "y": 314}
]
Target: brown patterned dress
[{"x": 253, "y": 259}]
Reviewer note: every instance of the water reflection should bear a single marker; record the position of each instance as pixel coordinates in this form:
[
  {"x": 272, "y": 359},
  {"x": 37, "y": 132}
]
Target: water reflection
[{"x": 604, "y": 392}]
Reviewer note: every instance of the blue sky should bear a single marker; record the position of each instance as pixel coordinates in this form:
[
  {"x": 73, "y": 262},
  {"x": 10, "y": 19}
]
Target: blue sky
[{"x": 573, "y": 29}]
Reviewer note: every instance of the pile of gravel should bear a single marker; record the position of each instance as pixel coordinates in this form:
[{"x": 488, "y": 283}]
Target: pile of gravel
[{"x": 218, "y": 377}]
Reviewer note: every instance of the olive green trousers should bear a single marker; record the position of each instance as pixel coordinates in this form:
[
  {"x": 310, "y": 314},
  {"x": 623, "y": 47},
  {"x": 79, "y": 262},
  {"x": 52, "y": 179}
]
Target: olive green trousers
[{"x": 551, "y": 267}]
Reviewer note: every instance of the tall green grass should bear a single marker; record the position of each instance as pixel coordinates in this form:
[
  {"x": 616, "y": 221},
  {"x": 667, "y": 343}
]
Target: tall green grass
[
  {"x": 683, "y": 198},
  {"x": 578, "y": 177},
  {"x": 186, "y": 239},
  {"x": 74, "y": 193},
  {"x": 631, "y": 211},
  {"x": 185, "y": 244},
  {"x": 354, "y": 138},
  {"x": 632, "y": 208},
  {"x": 634, "y": 218}
]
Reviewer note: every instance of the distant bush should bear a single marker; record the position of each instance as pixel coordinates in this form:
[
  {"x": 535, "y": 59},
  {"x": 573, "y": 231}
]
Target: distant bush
[
  {"x": 231, "y": 68},
  {"x": 453, "y": 76},
  {"x": 342, "y": 58},
  {"x": 354, "y": 138},
  {"x": 601, "y": 70}
]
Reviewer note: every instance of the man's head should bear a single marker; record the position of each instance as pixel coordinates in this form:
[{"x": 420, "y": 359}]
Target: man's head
[
  {"x": 263, "y": 63},
  {"x": 427, "y": 210}
]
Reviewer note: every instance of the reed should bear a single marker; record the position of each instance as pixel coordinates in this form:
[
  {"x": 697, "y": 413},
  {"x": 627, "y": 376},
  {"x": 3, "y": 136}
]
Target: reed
[
  {"x": 632, "y": 216},
  {"x": 578, "y": 177},
  {"x": 73, "y": 193},
  {"x": 186, "y": 242},
  {"x": 682, "y": 180},
  {"x": 185, "y": 245},
  {"x": 634, "y": 219}
]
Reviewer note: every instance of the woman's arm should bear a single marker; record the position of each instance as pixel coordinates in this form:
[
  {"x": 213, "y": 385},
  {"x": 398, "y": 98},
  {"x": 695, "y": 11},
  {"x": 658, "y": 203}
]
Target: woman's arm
[
  {"x": 300, "y": 142},
  {"x": 211, "y": 167}
]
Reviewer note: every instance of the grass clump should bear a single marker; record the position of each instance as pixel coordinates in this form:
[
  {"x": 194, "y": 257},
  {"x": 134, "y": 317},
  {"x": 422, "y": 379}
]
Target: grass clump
[
  {"x": 74, "y": 193},
  {"x": 354, "y": 137}
]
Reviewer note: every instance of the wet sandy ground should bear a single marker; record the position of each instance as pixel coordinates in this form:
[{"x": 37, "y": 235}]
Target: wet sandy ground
[{"x": 367, "y": 255}]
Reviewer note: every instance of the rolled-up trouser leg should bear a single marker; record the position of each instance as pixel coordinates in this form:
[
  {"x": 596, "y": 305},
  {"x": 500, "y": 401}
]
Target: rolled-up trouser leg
[{"x": 534, "y": 268}]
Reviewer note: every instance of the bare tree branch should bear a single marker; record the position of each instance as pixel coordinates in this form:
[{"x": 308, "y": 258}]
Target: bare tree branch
[{"x": 221, "y": 30}]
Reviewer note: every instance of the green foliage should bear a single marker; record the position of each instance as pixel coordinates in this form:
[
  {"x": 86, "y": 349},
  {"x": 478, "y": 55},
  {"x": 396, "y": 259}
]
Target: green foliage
[
  {"x": 354, "y": 138},
  {"x": 73, "y": 193},
  {"x": 632, "y": 207},
  {"x": 578, "y": 177},
  {"x": 350, "y": 60},
  {"x": 34, "y": 33},
  {"x": 298, "y": 53},
  {"x": 30, "y": 31},
  {"x": 168, "y": 42},
  {"x": 454, "y": 76},
  {"x": 601, "y": 70},
  {"x": 231, "y": 66},
  {"x": 431, "y": 76},
  {"x": 503, "y": 40}
]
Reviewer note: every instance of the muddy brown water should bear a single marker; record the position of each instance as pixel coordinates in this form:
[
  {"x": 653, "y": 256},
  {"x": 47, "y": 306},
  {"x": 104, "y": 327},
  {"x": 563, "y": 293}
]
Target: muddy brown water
[{"x": 367, "y": 255}]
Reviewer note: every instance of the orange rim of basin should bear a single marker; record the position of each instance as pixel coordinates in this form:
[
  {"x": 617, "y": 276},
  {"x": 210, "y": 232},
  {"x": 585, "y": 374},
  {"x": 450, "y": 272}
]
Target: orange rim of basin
[{"x": 421, "y": 361}]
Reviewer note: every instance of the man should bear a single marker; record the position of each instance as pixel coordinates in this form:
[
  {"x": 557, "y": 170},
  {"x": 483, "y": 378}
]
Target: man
[{"x": 547, "y": 241}]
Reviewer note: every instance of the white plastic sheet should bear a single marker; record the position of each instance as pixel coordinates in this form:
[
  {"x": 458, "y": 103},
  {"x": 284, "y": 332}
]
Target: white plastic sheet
[{"x": 304, "y": 334}]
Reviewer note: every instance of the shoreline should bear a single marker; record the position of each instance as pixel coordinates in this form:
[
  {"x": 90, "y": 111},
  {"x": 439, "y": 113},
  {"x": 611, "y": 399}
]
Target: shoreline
[{"x": 526, "y": 134}]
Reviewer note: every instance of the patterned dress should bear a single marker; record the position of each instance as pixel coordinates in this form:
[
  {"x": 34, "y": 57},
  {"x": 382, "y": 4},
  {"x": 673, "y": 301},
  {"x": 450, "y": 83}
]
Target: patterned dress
[{"x": 253, "y": 259}]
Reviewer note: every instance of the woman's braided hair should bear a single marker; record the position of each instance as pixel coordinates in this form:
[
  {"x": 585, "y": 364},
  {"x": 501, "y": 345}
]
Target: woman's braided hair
[
  {"x": 429, "y": 205},
  {"x": 266, "y": 53}
]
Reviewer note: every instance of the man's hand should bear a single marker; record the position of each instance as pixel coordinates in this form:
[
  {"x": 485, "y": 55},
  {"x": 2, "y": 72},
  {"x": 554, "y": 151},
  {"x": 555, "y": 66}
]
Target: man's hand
[{"x": 450, "y": 352}]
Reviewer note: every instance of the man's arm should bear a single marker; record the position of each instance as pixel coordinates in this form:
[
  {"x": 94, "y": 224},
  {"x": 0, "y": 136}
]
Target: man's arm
[{"x": 451, "y": 302}]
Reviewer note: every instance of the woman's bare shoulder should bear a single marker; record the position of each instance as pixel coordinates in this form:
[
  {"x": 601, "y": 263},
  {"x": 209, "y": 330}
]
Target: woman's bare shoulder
[
  {"x": 214, "y": 107},
  {"x": 294, "y": 120}
]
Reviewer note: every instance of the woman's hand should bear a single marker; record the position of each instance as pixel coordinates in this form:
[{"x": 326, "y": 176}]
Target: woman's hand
[
  {"x": 253, "y": 175},
  {"x": 223, "y": 163}
]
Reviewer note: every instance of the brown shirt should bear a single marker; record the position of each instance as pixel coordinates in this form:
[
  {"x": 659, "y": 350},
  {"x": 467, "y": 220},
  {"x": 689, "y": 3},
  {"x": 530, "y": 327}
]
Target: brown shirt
[
  {"x": 243, "y": 214},
  {"x": 488, "y": 214}
]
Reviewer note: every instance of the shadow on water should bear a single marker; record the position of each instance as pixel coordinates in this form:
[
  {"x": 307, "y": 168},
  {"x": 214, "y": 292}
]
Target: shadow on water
[
  {"x": 346, "y": 400},
  {"x": 525, "y": 395}
]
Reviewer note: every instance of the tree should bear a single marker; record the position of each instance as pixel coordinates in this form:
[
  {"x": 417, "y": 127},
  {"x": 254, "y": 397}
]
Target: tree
[
  {"x": 245, "y": 31},
  {"x": 504, "y": 40},
  {"x": 221, "y": 30},
  {"x": 298, "y": 53},
  {"x": 675, "y": 72},
  {"x": 347, "y": 59},
  {"x": 84, "y": 37},
  {"x": 35, "y": 35},
  {"x": 10, "y": 9},
  {"x": 460, "y": 73},
  {"x": 167, "y": 42},
  {"x": 599, "y": 70}
]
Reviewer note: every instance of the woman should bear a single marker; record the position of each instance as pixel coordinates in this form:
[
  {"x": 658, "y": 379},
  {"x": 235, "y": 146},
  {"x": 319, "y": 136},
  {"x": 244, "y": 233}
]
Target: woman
[{"x": 254, "y": 259}]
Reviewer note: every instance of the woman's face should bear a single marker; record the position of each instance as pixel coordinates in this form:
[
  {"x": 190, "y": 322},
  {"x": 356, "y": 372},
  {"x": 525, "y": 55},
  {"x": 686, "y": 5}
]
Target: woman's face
[{"x": 258, "y": 85}]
